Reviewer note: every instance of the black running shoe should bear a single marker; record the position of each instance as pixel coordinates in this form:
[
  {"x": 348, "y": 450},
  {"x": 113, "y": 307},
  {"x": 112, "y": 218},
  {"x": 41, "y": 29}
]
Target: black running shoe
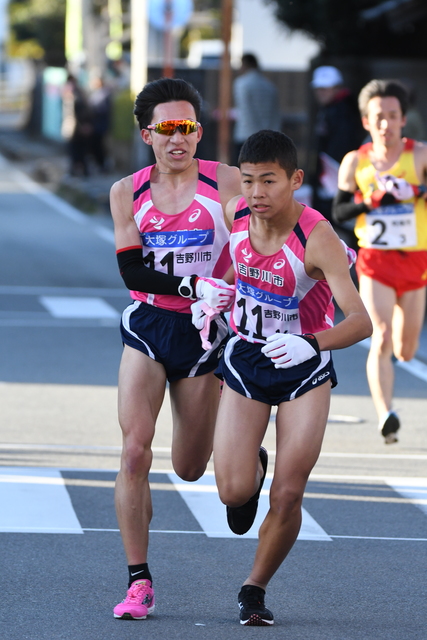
[
  {"x": 241, "y": 519},
  {"x": 252, "y": 609},
  {"x": 390, "y": 428}
]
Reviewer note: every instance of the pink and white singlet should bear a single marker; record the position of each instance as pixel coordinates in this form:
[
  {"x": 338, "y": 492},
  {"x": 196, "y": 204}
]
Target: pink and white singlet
[
  {"x": 192, "y": 241},
  {"x": 274, "y": 293}
]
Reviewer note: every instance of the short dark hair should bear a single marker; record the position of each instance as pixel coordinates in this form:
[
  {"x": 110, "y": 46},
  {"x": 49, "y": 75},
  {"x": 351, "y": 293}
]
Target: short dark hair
[
  {"x": 250, "y": 61},
  {"x": 270, "y": 146},
  {"x": 164, "y": 90},
  {"x": 383, "y": 89}
]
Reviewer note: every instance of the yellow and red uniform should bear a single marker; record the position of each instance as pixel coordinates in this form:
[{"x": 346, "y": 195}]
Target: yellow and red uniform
[{"x": 392, "y": 237}]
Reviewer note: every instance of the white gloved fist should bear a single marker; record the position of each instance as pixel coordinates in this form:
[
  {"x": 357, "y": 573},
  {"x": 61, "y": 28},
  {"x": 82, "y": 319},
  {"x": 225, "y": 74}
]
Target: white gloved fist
[
  {"x": 287, "y": 349},
  {"x": 350, "y": 253},
  {"x": 398, "y": 187},
  {"x": 202, "y": 316},
  {"x": 217, "y": 293},
  {"x": 198, "y": 315}
]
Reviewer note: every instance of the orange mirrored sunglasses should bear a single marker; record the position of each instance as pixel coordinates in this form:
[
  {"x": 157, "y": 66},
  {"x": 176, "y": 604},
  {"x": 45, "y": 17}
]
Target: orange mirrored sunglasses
[{"x": 168, "y": 127}]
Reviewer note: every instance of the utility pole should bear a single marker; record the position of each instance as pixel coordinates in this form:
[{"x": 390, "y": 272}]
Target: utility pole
[
  {"x": 139, "y": 44},
  {"x": 225, "y": 85},
  {"x": 168, "y": 41}
]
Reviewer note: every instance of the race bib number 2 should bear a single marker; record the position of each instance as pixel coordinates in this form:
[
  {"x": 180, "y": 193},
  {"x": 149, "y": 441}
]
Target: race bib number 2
[{"x": 391, "y": 227}]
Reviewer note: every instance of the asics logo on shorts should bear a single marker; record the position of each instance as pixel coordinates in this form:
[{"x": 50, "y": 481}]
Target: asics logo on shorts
[
  {"x": 319, "y": 378},
  {"x": 194, "y": 215},
  {"x": 279, "y": 264},
  {"x": 157, "y": 222},
  {"x": 246, "y": 256},
  {"x": 220, "y": 352}
]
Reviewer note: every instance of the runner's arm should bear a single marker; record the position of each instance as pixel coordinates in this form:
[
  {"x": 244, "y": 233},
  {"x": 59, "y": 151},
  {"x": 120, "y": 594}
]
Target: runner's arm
[
  {"x": 343, "y": 206},
  {"x": 325, "y": 255},
  {"x": 420, "y": 158},
  {"x": 136, "y": 275}
]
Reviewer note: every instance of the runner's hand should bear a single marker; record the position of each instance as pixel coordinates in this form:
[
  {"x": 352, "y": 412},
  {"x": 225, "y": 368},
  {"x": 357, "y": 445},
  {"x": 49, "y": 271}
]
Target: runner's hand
[
  {"x": 198, "y": 315},
  {"x": 398, "y": 187},
  {"x": 217, "y": 293},
  {"x": 287, "y": 349},
  {"x": 202, "y": 315},
  {"x": 350, "y": 253}
]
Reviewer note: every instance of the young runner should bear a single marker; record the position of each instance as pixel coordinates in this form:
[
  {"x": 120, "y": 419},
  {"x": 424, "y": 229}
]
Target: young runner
[
  {"x": 288, "y": 263},
  {"x": 387, "y": 177}
]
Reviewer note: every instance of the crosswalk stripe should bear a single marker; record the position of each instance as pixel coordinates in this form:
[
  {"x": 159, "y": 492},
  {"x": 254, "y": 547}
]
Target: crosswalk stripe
[
  {"x": 35, "y": 500},
  {"x": 203, "y": 501},
  {"x": 78, "y": 307}
]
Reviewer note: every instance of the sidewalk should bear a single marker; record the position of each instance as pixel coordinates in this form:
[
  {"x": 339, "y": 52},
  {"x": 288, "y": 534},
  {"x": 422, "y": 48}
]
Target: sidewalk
[{"x": 47, "y": 162}]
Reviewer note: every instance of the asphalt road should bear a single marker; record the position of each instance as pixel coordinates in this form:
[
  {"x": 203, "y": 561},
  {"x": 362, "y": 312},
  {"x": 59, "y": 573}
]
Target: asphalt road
[{"x": 357, "y": 571}]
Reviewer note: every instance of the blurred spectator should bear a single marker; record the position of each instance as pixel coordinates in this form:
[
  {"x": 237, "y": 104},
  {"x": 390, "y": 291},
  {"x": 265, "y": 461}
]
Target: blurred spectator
[
  {"x": 100, "y": 107},
  {"x": 337, "y": 130},
  {"x": 256, "y": 100},
  {"x": 414, "y": 127},
  {"x": 76, "y": 126}
]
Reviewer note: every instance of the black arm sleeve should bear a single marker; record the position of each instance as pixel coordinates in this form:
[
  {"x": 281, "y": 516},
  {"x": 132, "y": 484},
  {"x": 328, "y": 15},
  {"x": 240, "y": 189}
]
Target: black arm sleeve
[
  {"x": 138, "y": 277},
  {"x": 343, "y": 207}
]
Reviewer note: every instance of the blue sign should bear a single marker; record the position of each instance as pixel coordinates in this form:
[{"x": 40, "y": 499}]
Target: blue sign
[
  {"x": 267, "y": 297},
  {"x": 196, "y": 238}
]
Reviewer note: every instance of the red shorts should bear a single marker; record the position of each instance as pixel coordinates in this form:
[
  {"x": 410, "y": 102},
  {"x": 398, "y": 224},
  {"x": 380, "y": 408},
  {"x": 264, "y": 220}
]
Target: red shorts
[{"x": 401, "y": 270}]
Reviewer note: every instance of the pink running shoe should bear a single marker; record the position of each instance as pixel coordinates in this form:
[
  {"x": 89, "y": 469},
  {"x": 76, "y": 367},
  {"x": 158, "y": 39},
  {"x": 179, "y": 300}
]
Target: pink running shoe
[{"x": 138, "y": 603}]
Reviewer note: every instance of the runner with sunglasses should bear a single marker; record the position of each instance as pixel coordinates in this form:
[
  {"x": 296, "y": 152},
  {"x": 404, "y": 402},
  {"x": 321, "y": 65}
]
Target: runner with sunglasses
[{"x": 172, "y": 249}]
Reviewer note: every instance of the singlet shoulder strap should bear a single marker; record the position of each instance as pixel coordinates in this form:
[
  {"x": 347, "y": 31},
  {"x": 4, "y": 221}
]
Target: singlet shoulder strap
[
  {"x": 409, "y": 144},
  {"x": 141, "y": 182},
  {"x": 207, "y": 172},
  {"x": 242, "y": 209},
  {"x": 364, "y": 150}
]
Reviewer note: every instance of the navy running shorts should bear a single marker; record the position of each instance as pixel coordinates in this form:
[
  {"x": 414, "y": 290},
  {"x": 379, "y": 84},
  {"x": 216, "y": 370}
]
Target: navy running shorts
[
  {"x": 248, "y": 371},
  {"x": 170, "y": 338}
]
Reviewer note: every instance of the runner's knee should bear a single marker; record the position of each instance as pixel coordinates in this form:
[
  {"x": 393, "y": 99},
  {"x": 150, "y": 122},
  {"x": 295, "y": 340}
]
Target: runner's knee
[
  {"x": 189, "y": 470},
  {"x": 406, "y": 351},
  {"x": 382, "y": 340},
  {"x": 285, "y": 500},
  {"x": 234, "y": 493},
  {"x": 136, "y": 457}
]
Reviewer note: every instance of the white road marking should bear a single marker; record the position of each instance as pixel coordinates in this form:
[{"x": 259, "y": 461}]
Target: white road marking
[
  {"x": 202, "y": 499},
  {"x": 413, "y": 489},
  {"x": 59, "y": 205},
  {"x": 23, "y": 290},
  {"x": 379, "y": 538},
  {"x": 414, "y": 366},
  {"x": 106, "y": 234},
  {"x": 333, "y": 536},
  {"x": 69, "y": 307},
  {"x": 35, "y": 500}
]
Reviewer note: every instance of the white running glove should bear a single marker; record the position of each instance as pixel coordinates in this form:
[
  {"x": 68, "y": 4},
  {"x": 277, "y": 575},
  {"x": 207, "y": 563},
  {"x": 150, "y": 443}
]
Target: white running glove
[
  {"x": 398, "y": 187},
  {"x": 351, "y": 254},
  {"x": 217, "y": 293},
  {"x": 287, "y": 349},
  {"x": 202, "y": 315}
]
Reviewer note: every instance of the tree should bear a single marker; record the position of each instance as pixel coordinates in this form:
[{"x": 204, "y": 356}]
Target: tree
[
  {"x": 360, "y": 27},
  {"x": 38, "y": 29}
]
